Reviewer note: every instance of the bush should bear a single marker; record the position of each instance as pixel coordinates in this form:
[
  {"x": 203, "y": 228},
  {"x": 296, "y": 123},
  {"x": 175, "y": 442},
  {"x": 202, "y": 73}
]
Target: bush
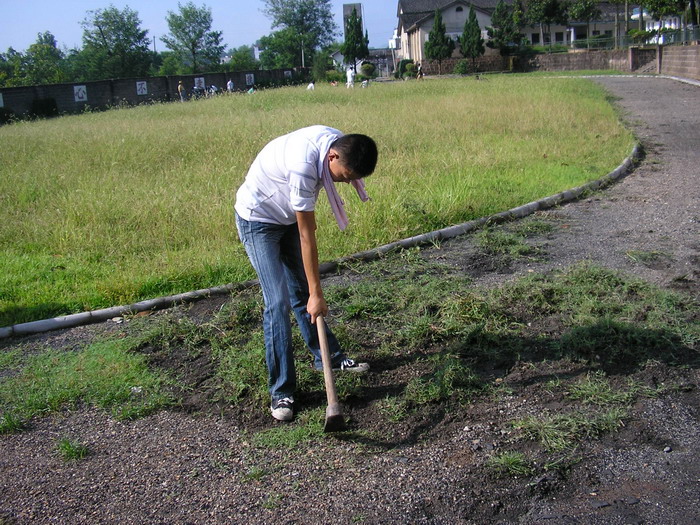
[
  {"x": 639, "y": 36},
  {"x": 336, "y": 76},
  {"x": 409, "y": 71},
  {"x": 463, "y": 67},
  {"x": 402, "y": 67},
  {"x": 367, "y": 69}
]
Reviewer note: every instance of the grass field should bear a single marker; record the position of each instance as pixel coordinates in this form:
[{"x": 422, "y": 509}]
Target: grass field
[{"x": 107, "y": 208}]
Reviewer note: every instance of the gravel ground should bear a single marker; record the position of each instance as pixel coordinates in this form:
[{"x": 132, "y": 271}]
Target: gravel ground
[{"x": 175, "y": 467}]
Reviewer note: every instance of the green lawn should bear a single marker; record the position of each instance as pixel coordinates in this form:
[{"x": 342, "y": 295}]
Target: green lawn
[{"x": 107, "y": 208}]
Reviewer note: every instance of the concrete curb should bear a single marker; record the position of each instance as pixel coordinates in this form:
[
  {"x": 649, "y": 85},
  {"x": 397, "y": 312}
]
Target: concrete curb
[{"x": 94, "y": 316}]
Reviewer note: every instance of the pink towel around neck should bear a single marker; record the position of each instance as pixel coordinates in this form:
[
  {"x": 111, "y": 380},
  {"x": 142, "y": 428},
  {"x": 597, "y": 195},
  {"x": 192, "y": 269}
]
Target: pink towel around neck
[{"x": 337, "y": 204}]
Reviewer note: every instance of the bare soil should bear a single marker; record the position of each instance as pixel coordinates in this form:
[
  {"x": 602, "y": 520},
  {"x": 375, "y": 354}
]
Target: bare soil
[{"x": 196, "y": 464}]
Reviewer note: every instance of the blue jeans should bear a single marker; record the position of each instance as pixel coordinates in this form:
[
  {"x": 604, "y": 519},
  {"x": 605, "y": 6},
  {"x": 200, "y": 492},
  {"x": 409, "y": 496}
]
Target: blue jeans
[{"x": 275, "y": 253}]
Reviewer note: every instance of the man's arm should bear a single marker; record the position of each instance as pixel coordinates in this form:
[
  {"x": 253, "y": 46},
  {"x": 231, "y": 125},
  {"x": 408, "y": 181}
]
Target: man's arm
[{"x": 306, "y": 220}]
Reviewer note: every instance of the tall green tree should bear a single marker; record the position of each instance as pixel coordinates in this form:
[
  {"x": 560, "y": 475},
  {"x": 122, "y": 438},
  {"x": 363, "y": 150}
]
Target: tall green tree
[
  {"x": 11, "y": 65},
  {"x": 585, "y": 11},
  {"x": 280, "y": 50},
  {"x": 503, "y": 34},
  {"x": 191, "y": 37},
  {"x": 439, "y": 46},
  {"x": 44, "y": 62},
  {"x": 243, "y": 59},
  {"x": 519, "y": 19},
  {"x": 355, "y": 45},
  {"x": 170, "y": 64},
  {"x": 471, "y": 42},
  {"x": 661, "y": 8},
  {"x": 114, "y": 45},
  {"x": 310, "y": 20},
  {"x": 545, "y": 13}
]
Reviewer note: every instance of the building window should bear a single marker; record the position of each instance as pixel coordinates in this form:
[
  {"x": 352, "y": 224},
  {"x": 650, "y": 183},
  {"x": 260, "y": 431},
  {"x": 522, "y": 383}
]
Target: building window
[
  {"x": 559, "y": 36},
  {"x": 535, "y": 37},
  {"x": 459, "y": 9}
]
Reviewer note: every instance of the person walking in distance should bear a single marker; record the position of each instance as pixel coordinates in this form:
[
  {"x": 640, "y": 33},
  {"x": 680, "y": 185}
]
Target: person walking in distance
[
  {"x": 181, "y": 91},
  {"x": 350, "y": 77}
]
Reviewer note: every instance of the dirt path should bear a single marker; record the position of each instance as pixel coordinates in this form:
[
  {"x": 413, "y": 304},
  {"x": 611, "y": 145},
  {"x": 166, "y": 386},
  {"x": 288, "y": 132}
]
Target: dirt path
[
  {"x": 179, "y": 468},
  {"x": 656, "y": 210}
]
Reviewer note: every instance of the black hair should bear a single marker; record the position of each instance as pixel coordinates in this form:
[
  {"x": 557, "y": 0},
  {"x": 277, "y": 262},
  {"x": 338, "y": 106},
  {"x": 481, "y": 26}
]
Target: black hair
[{"x": 358, "y": 153}]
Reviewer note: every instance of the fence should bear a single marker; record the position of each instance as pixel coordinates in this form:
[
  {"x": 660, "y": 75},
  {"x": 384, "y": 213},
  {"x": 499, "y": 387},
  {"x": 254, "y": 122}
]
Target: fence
[{"x": 54, "y": 99}]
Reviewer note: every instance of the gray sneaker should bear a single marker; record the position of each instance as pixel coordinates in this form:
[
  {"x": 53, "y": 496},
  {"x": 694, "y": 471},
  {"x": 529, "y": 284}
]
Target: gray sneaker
[{"x": 283, "y": 409}]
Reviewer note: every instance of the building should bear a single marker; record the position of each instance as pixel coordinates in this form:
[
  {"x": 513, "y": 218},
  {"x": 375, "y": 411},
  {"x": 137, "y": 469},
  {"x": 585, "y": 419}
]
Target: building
[
  {"x": 415, "y": 20},
  {"x": 611, "y": 16},
  {"x": 658, "y": 27}
]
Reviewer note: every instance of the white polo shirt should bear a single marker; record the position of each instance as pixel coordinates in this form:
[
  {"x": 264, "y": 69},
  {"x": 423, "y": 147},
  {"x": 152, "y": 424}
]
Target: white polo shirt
[{"x": 285, "y": 177}]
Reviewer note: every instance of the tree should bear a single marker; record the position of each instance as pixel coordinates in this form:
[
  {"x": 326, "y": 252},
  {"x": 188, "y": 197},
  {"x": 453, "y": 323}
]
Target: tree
[
  {"x": 280, "y": 50},
  {"x": 662, "y": 8},
  {"x": 243, "y": 59},
  {"x": 471, "y": 42},
  {"x": 323, "y": 62},
  {"x": 43, "y": 62},
  {"x": 355, "y": 45},
  {"x": 170, "y": 64},
  {"x": 545, "y": 13},
  {"x": 310, "y": 20},
  {"x": 439, "y": 46},
  {"x": 503, "y": 33},
  {"x": 192, "y": 39},
  {"x": 114, "y": 45},
  {"x": 11, "y": 64},
  {"x": 519, "y": 20},
  {"x": 585, "y": 11}
]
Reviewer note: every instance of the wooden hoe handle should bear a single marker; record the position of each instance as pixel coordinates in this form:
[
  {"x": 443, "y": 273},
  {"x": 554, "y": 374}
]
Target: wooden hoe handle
[{"x": 334, "y": 416}]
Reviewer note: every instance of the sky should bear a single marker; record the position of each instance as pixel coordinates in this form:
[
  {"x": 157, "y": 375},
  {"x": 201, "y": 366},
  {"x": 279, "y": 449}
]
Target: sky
[{"x": 241, "y": 21}]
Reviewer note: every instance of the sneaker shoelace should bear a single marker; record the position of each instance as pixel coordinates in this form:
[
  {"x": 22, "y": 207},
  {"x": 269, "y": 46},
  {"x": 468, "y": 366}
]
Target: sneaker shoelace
[
  {"x": 284, "y": 403},
  {"x": 347, "y": 363}
]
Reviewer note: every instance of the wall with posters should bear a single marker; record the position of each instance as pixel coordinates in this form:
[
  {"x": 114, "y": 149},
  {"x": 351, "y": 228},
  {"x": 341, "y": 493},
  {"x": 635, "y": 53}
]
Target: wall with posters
[{"x": 56, "y": 99}]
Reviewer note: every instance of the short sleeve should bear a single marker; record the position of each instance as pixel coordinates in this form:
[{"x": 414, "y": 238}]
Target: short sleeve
[{"x": 303, "y": 186}]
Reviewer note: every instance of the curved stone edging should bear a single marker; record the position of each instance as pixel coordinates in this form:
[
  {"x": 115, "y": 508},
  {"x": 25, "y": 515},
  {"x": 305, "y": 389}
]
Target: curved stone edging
[{"x": 94, "y": 316}]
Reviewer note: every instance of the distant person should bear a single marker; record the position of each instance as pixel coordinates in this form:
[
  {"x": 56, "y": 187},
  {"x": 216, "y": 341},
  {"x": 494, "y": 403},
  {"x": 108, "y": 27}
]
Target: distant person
[
  {"x": 276, "y": 221},
  {"x": 334, "y": 83},
  {"x": 365, "y": 83},
  {"x": 419, "y": 72},
  {"x": 311, "y": 86},
  {"x": 251, "y": 90},
  {"x": 350, "y": 77},
  {"x": 181, "y": 91},
  {"x": 229, "y": 86}
]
